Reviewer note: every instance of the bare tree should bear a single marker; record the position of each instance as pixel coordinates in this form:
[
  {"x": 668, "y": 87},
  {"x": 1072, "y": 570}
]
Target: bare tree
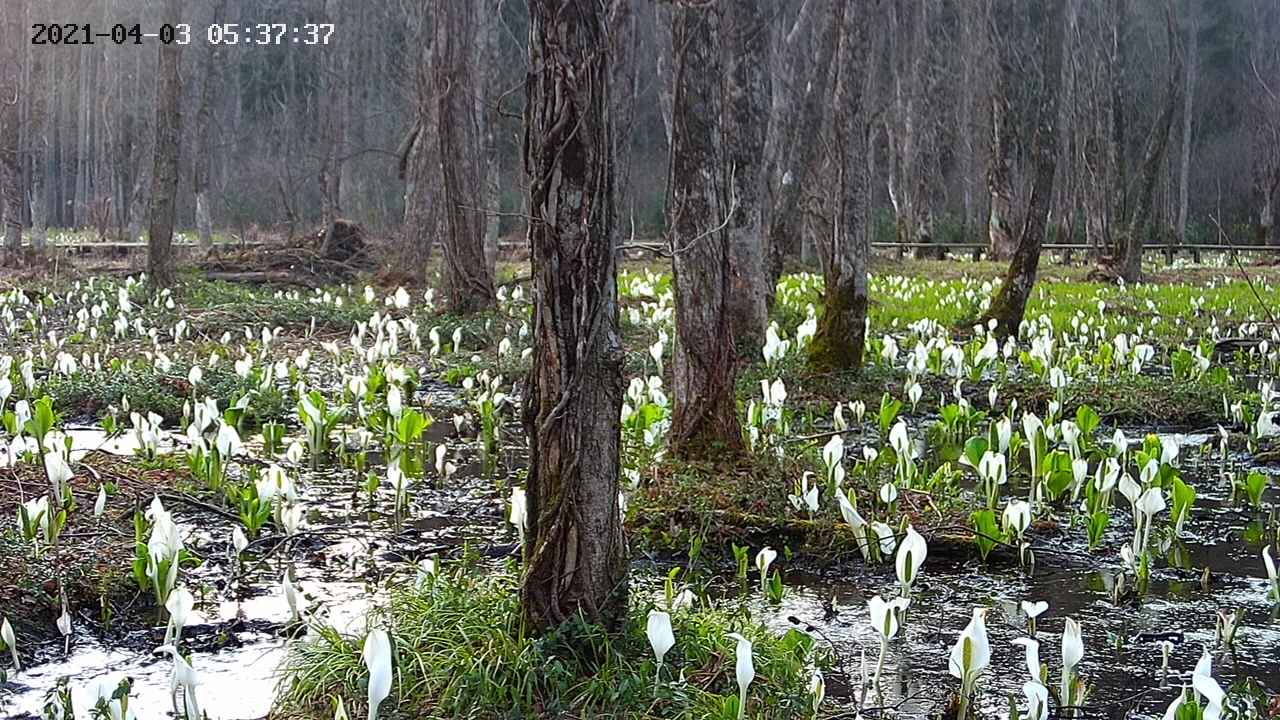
[
  {"x": 468, "y": 276},
  {"x": 704, "y": 418},
  {"x": 164, "y": 187},
  {"x": 1188, "y": 111},
  {"x": 801, "y": 94},
  {"x": 419, "y": 157},
  {"x": 841, "y": 336},
  {"x": 210, "y": 70},
  {"x": 38, "y": 131},
  {"x": 1264, "y": 116},
  {"x": 12, "y": 196},
  {"x": 1043, "y": 82},
  {"x": 575, "y": 557},
  {"x": 744, "y": 120},
  {"x": 1128, "y": 260}
]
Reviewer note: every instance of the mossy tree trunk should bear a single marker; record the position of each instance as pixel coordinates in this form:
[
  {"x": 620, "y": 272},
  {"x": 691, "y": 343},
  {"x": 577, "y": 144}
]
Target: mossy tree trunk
[
  {"x": 575, "y": 556},
  {"x": 164, "y": 179},
  {"x": 705, "y": 418},
  {"x": 1044, "y": 85},
  {"x": 746, "y": 53},
  {"x": 841, "y": 335},
  {"x": 468, "y": 276}
]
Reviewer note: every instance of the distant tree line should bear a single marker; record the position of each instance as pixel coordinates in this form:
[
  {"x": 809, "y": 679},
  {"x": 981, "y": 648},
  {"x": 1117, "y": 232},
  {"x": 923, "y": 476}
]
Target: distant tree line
[{"x": 1169, "y": 122}]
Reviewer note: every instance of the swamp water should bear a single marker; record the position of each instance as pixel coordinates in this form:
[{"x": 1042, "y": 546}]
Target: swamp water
[{"x": 240, "y": 630}]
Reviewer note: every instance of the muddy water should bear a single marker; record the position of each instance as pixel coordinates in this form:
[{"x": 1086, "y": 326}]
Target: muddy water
[
  {"x": 343, "y": 557},
  {"x": 347, "y": 552},
  {"x": 1123, "y": 657}
]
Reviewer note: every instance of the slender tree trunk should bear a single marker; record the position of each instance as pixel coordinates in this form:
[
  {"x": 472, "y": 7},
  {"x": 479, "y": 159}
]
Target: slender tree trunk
[
  {"x": 799, "y": 146},
  {"x": 333, "y": 126},
  {"x": 576, "y": 560},
  {"x": 841, "y": 336},
  {"x": 1010, "y": 303},
  {"x": 1188, "y": 109},
  {"x": 12, "y": 196},
  {"x": 1129, "y": 267},
  {"x": 487, "y": 68},
  {"x": 705, "y": 417},
  {"x": 745, "y": 122},
  {"x": 164, "y": 187},
  {"x": 210, "y": 64},
  {"x": 468, "y": 277},
  {"x": 38, "y": 142}
]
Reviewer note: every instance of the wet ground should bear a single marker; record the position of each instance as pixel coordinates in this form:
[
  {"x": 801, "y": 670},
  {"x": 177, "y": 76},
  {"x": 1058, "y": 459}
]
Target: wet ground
[{"x": 347, "y": 552}]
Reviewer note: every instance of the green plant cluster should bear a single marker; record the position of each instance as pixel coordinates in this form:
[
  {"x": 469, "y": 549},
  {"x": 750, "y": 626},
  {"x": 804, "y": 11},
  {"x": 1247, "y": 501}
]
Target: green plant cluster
[{"x": 459, "y": 651}]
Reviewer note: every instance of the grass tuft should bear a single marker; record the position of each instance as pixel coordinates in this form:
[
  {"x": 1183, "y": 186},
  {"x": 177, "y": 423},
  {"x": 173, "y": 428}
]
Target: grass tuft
[{"x": 460, "y": 652}]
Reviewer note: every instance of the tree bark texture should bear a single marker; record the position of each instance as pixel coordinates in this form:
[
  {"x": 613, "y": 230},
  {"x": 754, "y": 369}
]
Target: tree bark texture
[
  {"x": 164, "y": 186},
  {"x": 468, "y": 276},
  {"x": 575, "y": 556},
  {"x": 1010, "y": 303},
  {"x": 841, "y": 335},
  {"x": 705, "y": 416},
  {"x": 419, "y": 163},
  {"x": 745, "y": 120}
]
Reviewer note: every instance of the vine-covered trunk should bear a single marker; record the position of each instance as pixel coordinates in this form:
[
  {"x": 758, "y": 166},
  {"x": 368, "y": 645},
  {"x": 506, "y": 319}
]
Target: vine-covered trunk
[
  {"x": 1010, "y": 302},
  {"x": 468, "y": 276},
  {"x": 575, "y": 555},
  {"x": 841, "y": 336},
  {"x": 164, "y": 182},
  {"x": 705, "y": 418},
  {"x": 745, "y": 120}
]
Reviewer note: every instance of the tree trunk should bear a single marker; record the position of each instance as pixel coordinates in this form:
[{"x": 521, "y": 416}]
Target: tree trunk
[
  {"x": 1010, "y": 303},
  {"x": 705, "y": 417},
  {"x": 1129, "y": 263},
  {"x": 799, "y": 145},
  {"x": 1000, "y": 240},
  {"x": 210, "y": 65},
  {"x": 164, "y": 186},
  {"x": 468, "y": 277},
  {"x": 575, "y": 558},
  {"x": 841, "y": 336},
  {"x": 40, "y": 93},
  {"x": 419, "y": 163},
  {"x": 12, "y": 197},
  {"x": 745, "y": 121},
  {"x": 1188, "y": 108},
  {"x": 333, "y": 126},
  {"x": 488, "y": 67}
]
